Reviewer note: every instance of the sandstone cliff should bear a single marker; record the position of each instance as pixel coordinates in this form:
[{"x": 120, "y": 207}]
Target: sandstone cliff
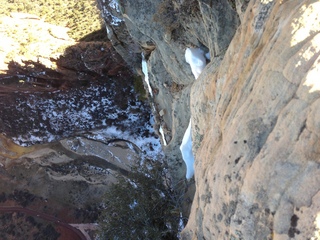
[
  {"x": 257, "y": 167},
  {"x": 254, "y": 109}
]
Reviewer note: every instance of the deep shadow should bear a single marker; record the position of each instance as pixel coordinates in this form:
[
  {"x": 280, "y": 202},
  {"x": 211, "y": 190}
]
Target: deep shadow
[
  {"x": 99, "y": 35},
  {"x": 81, "y": 63},
  {"x": 91, "y": 87},
  {"x": 33, "y": 77}
]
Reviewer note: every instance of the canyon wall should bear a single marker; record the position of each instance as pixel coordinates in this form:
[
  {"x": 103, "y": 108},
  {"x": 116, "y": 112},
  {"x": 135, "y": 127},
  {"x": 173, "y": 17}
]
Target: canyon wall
[
  {"x": 161, "y": 30},
  {"x": 257, "y": 167},
  {"x": 254, "y": 108}
]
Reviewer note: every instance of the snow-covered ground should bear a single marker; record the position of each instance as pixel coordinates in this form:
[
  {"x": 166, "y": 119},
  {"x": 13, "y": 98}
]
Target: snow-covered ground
[
  {"x": 150, "y": 146},
  {"x": 47, "y": 117},
  {"x": 114, "y": 6}
]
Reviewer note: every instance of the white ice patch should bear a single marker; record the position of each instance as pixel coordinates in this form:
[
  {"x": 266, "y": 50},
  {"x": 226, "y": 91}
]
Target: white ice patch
[
  {"x": 195, "y": 57},
  {"x": 163, "y": 137},
  {"x": 114, "y": 4},
  {"x": 133, "y": 205},
  {"x": 186, "y": 150},
  {"x": 133, "y": 117},
  {"x": 150, "y": 146},
  {"x": 146, "y": 77},
  {"x": 114, "y": 20},
  {"x": 181, "y": 224},
  {"x": 197, "y": 60},
  {"x": 207, "y": 55},
  {"x": 108, "y": 30}
]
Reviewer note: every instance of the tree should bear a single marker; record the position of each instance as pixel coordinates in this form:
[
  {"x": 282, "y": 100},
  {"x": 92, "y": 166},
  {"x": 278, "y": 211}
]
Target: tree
[{"x": 141, "y": 205}]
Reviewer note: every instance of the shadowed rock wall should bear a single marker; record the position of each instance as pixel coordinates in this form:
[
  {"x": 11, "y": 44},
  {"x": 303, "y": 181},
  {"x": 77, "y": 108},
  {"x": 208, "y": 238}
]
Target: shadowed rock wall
[{"x": 161, "y": 30}]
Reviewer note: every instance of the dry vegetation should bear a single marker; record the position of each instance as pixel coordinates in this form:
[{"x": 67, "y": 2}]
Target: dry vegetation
[
  {"x": 81, "y": 16},
  {"x": 55, "y": 26},
  {"x": 142, "y": 206}
]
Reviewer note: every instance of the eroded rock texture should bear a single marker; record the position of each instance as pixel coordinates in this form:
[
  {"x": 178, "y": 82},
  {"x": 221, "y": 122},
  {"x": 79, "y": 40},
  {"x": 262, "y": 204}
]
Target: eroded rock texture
[
  {"x": 161, "y": 30},
  {"x": 254, "y": 110},
  {"x": 257, "y": 167}
]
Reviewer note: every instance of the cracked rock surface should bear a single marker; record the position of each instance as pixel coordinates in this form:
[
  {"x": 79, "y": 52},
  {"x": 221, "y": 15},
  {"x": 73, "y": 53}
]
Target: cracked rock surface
[
  {"x": 256, "y": 116},
  {"x": 254, "y": 110}
]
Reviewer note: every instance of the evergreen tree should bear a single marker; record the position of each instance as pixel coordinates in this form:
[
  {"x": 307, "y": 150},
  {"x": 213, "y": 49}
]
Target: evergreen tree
[{"x": 141, "y": 206}]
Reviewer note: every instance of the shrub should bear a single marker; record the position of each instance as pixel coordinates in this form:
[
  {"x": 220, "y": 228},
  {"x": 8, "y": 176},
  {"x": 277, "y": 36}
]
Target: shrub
[
  {"x": 141, "y": 206},
  {"x": 81, "y": 16},
  {"x": 139, "y": 88}
]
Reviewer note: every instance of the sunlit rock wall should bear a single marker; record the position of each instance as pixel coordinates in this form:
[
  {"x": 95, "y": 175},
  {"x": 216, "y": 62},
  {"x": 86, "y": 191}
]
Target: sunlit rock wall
[{"x": 257, "y": 117}]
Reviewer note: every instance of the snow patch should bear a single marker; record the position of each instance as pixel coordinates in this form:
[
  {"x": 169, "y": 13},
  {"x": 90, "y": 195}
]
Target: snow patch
[
  {"x": 197, "y": 60},
  {"x": 186, "y": 150},
  {"x": 146, "y": 77},
  {"x": 195, "y": 57},
  {"x": 82, "y": 109},
  {"x": 163, "y": 137},
  {"x": 150, "y": 146},
  {"x": 114, "y": 20},
  {"x": 114, "y": 4},
  {"x": 207, "y": 55}
]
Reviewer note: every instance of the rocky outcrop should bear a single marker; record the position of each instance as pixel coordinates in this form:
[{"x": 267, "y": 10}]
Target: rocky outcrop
[
  {"x": 163, "y": 29},
  {"x": 28, "y": 37},
  {"x": 254, "y": 111},
  {"x": 42, "y": 54},
  {"x": 257, "y": 167}
]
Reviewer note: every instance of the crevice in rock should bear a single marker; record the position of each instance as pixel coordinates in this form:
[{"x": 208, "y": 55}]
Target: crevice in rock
[{"x": 302, "y": 128}]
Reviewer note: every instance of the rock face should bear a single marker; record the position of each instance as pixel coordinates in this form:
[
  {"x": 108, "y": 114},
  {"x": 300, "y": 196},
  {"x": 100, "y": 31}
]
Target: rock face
[
  {"x": 254, "y": 110},
  {"x": 163, "y": 29},
  {"x": 257, "y": 167}
]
